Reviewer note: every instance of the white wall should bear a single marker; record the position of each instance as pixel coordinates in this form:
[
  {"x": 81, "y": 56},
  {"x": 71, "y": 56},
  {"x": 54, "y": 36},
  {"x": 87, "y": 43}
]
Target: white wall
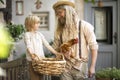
[{"x": 29, "y": 6}]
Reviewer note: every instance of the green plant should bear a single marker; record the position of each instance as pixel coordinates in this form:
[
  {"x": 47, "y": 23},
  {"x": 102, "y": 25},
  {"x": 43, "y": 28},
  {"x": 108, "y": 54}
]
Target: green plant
[
  {"x": 2, "y": 1},
  {"x": 49, "y": 54},
  {"x": 104, "y": 73},
  {"x": 93, "y": 1},
  {"x": 23, "y": 55},
  {"x": 16, "y": 31},
  {"x": 112, "y": 73},
  {"x": 51, "y": 42},
  {"x": 116, "y": 73}
]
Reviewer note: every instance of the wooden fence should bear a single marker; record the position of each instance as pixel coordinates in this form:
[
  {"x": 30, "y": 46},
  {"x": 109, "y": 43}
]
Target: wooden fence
[{"x": 18, "y": 70}]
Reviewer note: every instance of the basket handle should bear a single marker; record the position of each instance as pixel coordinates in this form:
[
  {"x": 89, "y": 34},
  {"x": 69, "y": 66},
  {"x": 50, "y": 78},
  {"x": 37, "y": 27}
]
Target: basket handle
[{"x": 63, "y": 57}]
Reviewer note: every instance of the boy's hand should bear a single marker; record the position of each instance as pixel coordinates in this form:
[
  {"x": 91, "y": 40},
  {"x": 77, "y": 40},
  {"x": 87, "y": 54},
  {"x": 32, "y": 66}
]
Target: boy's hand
[
  {"x": 59, "y": 55},
  {"x": 34, "y": 57}
]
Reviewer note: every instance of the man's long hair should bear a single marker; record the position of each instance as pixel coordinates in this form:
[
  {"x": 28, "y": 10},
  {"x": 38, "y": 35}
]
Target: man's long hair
[{"x": 70, "y": 28}]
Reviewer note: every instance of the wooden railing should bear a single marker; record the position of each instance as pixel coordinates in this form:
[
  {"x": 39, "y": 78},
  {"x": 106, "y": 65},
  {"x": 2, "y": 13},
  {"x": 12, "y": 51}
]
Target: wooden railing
[{"x": 18, "y": 70}]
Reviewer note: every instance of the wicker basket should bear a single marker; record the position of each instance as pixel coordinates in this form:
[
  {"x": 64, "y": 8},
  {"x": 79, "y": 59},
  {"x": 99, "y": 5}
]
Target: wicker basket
[{"x": 49, "y": 66}]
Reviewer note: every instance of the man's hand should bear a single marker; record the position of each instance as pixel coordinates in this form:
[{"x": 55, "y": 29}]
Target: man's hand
[
  {"x": 67, "y": 54},
  {"x": 59, "y": 55},
  {"x": 91, "y": 72}
]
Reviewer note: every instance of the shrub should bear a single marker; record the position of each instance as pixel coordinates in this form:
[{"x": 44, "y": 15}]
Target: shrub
[{"x": 112, "y": 73}]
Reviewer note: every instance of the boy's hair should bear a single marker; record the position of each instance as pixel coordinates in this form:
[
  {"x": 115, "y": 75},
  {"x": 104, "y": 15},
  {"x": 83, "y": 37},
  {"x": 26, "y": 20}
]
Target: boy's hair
[{"x": 30, "y": 21}]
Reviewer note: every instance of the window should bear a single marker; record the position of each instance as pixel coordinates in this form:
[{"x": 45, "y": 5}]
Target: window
[
  {"x": 103, "y": 24},
  {"x": 44, "y": 20},
  {"x": 19, "y": 8}
]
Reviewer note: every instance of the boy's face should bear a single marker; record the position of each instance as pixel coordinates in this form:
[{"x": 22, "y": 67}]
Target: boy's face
[
  {"x": 60, "y": 13},
  {"x": 36, "y": 26}
]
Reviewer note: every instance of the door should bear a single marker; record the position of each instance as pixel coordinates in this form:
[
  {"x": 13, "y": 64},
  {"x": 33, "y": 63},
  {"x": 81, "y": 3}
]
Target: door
[{"x": 104, "y": 21}]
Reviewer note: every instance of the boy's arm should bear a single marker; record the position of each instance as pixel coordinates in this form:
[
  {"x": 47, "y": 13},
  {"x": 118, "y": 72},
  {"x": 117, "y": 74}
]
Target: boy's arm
[
  {"x": 49, "y": 47},
  {"x": 32, "y": 55}
]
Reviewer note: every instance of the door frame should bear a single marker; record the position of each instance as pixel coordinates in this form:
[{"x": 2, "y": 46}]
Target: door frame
[
  {"x": 118, "y": 39},
  {"x": 116, "y": 59}
]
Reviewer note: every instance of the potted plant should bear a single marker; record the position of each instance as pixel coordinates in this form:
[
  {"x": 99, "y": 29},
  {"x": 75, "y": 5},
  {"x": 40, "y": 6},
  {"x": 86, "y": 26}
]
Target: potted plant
[
  {"x": 16, "y": 31},
  {"x": 108, "y": 74}
]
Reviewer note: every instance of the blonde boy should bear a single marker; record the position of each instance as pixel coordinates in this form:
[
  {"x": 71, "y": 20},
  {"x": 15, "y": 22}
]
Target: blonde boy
[{"x": 34, "y": 42}]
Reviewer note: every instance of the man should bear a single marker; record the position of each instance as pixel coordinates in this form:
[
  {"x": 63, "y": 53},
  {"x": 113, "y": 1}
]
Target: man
[{"x": 68, "y": 27}]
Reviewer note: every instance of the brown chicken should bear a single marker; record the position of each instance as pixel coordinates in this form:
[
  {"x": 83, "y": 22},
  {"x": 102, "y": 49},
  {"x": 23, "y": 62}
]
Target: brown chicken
[{"x": 66, "y": 47}]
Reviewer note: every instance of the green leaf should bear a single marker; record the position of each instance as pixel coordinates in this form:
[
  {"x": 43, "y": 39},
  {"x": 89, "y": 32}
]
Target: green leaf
[
  {"x": 86, "y": 0},
  {"x": 93, "y": 1},
  {"x": 108, "y": 73},
  {"x": 16, "y": 30},
  {"x": 2, "y": 1}
]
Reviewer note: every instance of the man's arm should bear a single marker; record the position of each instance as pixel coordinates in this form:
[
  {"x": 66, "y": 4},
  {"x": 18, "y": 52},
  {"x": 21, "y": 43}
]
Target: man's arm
[
  {"x": 93, "y": 45},
  {"x": 94, "y": 54}
]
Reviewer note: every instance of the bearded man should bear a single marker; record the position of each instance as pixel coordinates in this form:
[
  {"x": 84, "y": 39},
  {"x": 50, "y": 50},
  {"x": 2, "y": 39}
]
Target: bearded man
[{"x": 69, "y": 26}]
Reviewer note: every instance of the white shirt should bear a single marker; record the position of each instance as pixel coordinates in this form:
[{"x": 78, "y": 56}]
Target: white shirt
[
  {"x": 34, "y": 42},
  {"x": 88, "y": 41}
]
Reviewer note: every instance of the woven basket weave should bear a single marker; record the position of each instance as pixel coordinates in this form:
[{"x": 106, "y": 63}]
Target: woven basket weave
[{"x": 49, "y": 66}]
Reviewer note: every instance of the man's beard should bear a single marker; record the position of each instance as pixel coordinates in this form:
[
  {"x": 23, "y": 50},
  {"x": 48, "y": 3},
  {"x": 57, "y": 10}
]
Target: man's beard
[{"x": 62, "y": 21}]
